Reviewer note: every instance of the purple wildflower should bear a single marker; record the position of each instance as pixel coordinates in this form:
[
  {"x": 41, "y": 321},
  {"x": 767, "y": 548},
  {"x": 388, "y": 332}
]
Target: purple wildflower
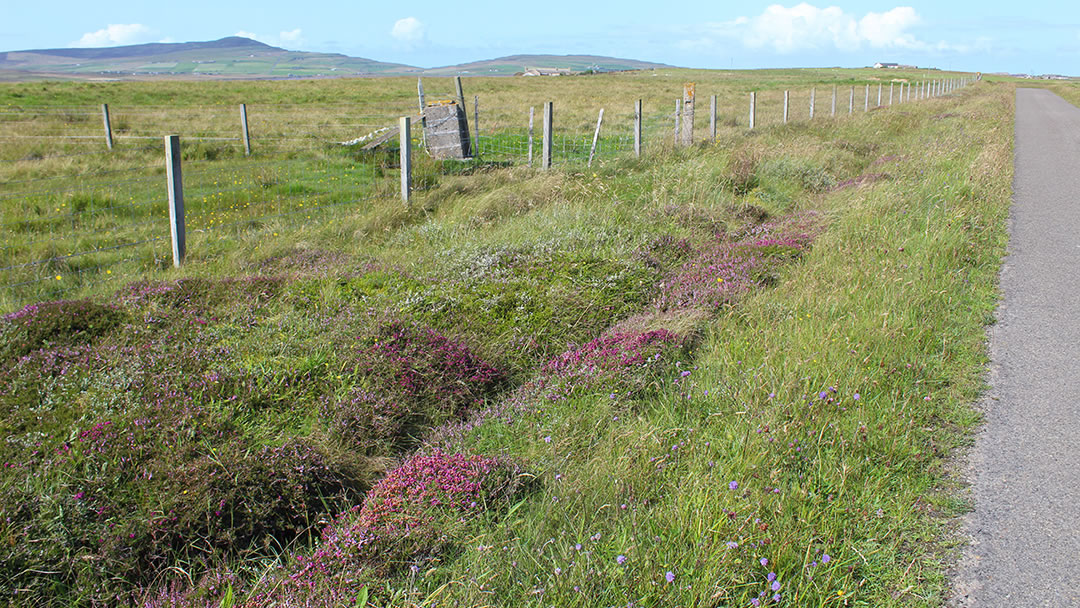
[
  {"x": 621, "y": 559},
  {"x": 770, "y": 577},
  {"x": 764, "y": 561},
  {"x": 670, "y": 576},
  {"x": 825, "y": 558},
  {"x": 733, "y": 485},
  {"x": 775, "y": 586}
]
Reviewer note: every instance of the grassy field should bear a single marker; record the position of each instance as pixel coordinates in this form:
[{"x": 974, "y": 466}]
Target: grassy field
[{"x": 727, "y": 375}]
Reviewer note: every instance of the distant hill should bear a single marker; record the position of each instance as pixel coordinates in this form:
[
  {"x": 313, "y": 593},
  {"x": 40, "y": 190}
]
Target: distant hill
[
  {"x": 236, "y": 57},
  {"x": 514, "y": 64}
]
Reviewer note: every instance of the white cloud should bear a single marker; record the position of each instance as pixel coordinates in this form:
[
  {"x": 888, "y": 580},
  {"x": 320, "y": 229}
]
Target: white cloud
[
  {"x": 807, "y": 27},
  {"x": 247, "y": 34},
  {"x": 116, "y": 34},
  {"x": 409, "y": 31},
  {"x": 295, "y": 36}
]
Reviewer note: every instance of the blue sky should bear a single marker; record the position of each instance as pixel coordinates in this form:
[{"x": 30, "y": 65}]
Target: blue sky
[{"x": 1036, "y": 36}]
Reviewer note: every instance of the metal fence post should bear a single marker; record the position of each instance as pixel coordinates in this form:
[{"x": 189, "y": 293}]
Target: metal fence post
[
  {"x": 712, "y": 118},
  {"x": 175, "y": 182},
  {"x": 637, "y": 128},
  {"x": 532, "y": 111},
  {"x": 545, "y": 161},
  {"x": 405, "y": 139},
  {"x": 244, "y": 127},
  {"x": 108, "y": 125},
  {"x": 595, "y": 137}
]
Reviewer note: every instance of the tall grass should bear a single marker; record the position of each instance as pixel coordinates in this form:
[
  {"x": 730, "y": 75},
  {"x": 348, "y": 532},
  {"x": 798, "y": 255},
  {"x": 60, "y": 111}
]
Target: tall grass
[{"x": 713, "y": 376}]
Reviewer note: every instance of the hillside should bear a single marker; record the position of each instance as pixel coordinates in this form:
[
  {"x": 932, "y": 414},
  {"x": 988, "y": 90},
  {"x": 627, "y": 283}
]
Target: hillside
[
  {"x": 237, "y": 57},
  {"x": 228, "y": 57}
]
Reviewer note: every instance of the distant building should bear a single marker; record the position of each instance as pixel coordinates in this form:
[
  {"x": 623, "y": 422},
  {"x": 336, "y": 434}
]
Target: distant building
[
  {"x": 547, "y": 72},
  {"x": 892, "y": 66}
]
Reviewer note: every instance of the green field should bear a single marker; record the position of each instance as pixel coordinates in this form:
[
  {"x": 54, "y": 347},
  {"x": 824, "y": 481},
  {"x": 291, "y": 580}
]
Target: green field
[{"x": 711, "y": 376}]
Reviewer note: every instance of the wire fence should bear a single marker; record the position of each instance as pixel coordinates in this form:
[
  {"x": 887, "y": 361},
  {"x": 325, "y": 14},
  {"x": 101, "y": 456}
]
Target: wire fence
[{"x": 73, "y": 217}]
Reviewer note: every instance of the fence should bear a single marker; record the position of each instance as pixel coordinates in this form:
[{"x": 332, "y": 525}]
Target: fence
[{"x": 71, "y": 216}]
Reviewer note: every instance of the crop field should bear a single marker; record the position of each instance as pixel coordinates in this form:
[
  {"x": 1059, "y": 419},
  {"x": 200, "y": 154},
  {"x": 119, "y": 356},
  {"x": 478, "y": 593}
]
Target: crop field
[{"x": 729, "y": 374}]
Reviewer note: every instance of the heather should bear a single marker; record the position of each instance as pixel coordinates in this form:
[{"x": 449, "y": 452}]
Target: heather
[{"x": 727, "y": 376}]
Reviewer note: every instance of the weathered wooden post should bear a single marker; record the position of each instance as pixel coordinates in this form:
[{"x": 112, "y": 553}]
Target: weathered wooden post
[
  {"x": 423, "y": 121},
  {"x": 405, "y": 141},
  {"x": 712, "y": 119},
  {"x": 813, "y": 92},
  {"x": 786, "y": 96},
  {"x": 175, "y": 181},
  {"x": 833, "y": 113},
  {"x": 531, "y": 112},
  {"x": 890, "y": 94},
  {"x": 753, "y": 108},
  {"x": 476, "y": 120},
  {"x": 688, "y": 103},
  {"x": 595, "y": 137},
  {"x": 866, "y": 102},
  {"x": 546, "y": 148},
  {"x": 851, "y": 102},
  {"x": 108, "y": 125},
  {"x": 244, "y": 129},
  {"x": 678, "y": 118},
  {"x": 637, "y": 128},
  {"x": 460, "y": 95},
  {"x": 878, "y": 95}
]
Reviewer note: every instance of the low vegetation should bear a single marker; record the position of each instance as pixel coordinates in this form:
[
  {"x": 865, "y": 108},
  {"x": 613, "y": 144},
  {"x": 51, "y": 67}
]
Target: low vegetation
[{"x": 728, "y": 375}]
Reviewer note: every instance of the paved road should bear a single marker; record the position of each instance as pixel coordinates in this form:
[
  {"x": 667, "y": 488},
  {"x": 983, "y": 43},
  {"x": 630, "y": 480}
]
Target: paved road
[{"x": 1026, "y": 461}]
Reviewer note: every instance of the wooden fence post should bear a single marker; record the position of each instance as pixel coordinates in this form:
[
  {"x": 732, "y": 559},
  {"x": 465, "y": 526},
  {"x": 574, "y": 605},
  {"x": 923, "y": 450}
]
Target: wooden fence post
[
  {"x": 689, "y": 97},
  {"x": 637, "y": 128},
  {"x": 878, "y": 95},
  {"x": 890, "y": 94},
  {"x": 786, "y": 97},
  {"x": 405, "y": 139},
  {"x": 531, "y": 112},
  {"x": 421, "y": 99},
  {"x": 460, "y": 95},
  {"x": 595, "y": 137},
  {"x": 866, "y": 102},
  {"x": 476, "y": 120},
  {"x": 545, "y": 153},
  {"x": 712, "y": 119},
  {"x": 753, "y": 108},
  {"x": 833, "y": 113},
  {"x": 813, "y": 93},
  {"x": 678, "y": 117},
  {"x": 244, "y": 129},
  {"x": 108, "y": 125},
  {"x": 175, "y": 182},
  {"x": 851, "y": 102}
]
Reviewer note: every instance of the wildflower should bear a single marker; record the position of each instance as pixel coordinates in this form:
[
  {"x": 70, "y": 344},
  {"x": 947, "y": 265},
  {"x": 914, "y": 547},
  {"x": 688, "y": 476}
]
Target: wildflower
[
  {"x": 733, "y": 485},
  {"x": 771, "y": 577},
  {"x": 621, "y": 559},
  {"x": 755, "y": 602},
  {"x": 776, "y": 598},
  {"x": 547, "y": 439},
  {"x": 775, "y": 586},
  {"x": 684, "y": 373},
  {"x": 856, "y": 396},
  {"x": 822, "y": 395},
  {"x": 732, "y": 544},
  {"x": 670, "y": 576},
  {"x": 764, "y": 561},
  {"x": 558, "y": 571},
  {"x": 825, "y": 558}
]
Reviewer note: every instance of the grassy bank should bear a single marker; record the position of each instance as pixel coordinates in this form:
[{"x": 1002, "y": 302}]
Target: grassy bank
[{"x": 713, "y": 377}]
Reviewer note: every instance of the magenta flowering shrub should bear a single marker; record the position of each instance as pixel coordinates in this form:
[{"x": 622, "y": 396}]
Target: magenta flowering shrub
[
  {"x": 410, "y": 378},
  {"x": 411, "y": 517},
  {"x": 723, "y": 271},
  {"x": 619, "y": 363},
  {"x": 50, "y": 324}
]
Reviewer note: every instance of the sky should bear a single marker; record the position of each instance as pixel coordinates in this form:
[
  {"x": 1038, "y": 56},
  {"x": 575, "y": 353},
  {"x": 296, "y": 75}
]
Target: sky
[{"x": 1035, "y": 36}]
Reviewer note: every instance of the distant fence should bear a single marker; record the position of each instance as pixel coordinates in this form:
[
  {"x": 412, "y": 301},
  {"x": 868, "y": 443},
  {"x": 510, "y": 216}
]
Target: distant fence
[{"x": 60, "y": 233}]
